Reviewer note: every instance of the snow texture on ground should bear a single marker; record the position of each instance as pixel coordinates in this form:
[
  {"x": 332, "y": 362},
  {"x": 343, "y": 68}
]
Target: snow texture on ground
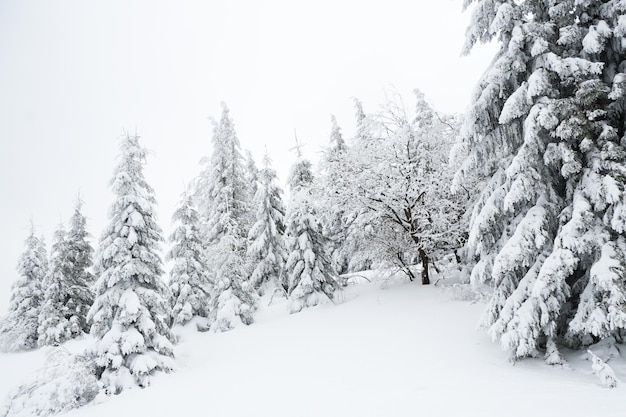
[{"x": 401, "y": 350}]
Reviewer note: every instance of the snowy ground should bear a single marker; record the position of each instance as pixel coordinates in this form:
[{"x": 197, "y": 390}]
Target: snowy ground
[{"x": 406, "y": 350}]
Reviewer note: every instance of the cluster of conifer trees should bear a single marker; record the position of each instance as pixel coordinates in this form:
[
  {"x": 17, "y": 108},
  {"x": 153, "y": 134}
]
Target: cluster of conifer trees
[{"x": 528, "y": 193}]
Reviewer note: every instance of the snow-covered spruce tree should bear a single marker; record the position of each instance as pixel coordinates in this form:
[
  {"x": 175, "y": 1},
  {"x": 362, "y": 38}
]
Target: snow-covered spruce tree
[
  {"x": 223, "y": 180},
  {"x": 335, "y": 220},
  {"x": 310, "y": 274},
  {"x": 79, "y": 279},
  {"x": 67, "y": 286},
  {"x": 190, "y": 284},
  {"x": 18, "y": 330},
  {"x": 223, "y": 197},
  {"x": 130, "y": 312},
  {"x": 266, "y": 254},
  {"x": 545, "y": 134},
  {"x": 399, "y": 188},
  {"x": 54, "y": 326}
]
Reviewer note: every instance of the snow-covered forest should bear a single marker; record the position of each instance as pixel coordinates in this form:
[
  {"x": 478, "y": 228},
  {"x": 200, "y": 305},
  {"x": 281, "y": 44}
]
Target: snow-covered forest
[{"x": 512, "y": 215}]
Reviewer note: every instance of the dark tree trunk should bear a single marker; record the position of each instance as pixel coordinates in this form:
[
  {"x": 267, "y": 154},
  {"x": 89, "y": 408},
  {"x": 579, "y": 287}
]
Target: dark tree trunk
[
  {"x": 424, "y": 260},
  {"x": 457, "y": 257}
]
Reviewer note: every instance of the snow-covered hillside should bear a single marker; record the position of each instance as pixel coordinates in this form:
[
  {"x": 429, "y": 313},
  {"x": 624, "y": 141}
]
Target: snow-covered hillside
[{"x": 396, "y": 350}]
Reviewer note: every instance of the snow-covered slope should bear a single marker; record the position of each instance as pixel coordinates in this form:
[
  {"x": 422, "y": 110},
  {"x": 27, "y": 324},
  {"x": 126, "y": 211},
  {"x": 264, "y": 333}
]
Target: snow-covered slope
[{"x": 407, "y": 350}]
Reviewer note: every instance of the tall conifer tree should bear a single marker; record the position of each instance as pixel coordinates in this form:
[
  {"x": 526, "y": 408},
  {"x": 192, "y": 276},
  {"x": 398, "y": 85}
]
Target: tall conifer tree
[
  {"x": 545, "y": 135},
  {"x": 223, "y": 196},
  {"x": 130, "y": 311}
]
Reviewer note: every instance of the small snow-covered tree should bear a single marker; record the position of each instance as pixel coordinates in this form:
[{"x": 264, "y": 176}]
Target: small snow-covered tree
[
  {"x": 190, "y": 284},
  {"x": 54, "y": 326},
  {"x": 266, "y": 254},
  {"x": 18, "y": 330},
  {"x": 80, "y": 279},
  {"x": 545, "y": 137},
  {"x": 223, "y": 197},
  {"x": 603, "y": 371},
  {"x": 64, "y": 383},
  {"x": 309, "y": 271},
  {"x": 234, "y": 301},
  {"x": 129, "y": 314},
  {"x": 67, "y": 286}
]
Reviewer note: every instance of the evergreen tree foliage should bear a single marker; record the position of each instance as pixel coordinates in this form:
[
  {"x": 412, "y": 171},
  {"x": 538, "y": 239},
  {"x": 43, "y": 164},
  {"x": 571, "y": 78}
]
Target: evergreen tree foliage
[
  {"x": 67, "y": 286},
  {"x": 334, "y": 218},
  {"x": 189, "y": 283},
  {"x": 234, "y": 301},
  {"x": 223, "y": 195},
  {"x": 18, "y": 330},
  {"x": 129, "y": 314},
  {"x": 80, "y": 279},
  {"x": 310, "y": 273},
  {"x": 266, "y": 249},
  {"x": 545, "y": 138},
  {"x": 251, "y": 175},
  {"x": 54, "y": 326},
  {"x": 221, "y": 190}
]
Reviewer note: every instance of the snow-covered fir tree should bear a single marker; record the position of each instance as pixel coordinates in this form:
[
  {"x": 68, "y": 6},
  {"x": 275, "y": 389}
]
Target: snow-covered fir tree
[
  {"x": 130, "y": 311},
  {"x": 67, "y": 286},
  {"x": 223, "y": 183},
  {"x": 18, "y": 330},
  {"x": 54, "y": 326},
  {"x": 545, "y": 135},
  {"x": 266, "y": 254},
  {"x": 222, "y": 193},
  {"x": 335, "y": 168},
  {"x": 309, "y": 271},
  {"x": 190, "y": 284},
  {"x": 80, "y": 279}
]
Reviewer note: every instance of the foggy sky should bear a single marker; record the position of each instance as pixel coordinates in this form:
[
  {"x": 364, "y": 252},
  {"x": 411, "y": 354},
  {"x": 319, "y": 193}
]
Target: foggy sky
[{"x": 75, "y": 75}]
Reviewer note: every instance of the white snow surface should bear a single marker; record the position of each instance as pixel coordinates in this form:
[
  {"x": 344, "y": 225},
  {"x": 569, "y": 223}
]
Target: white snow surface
[{"x": 399, "y": 349}]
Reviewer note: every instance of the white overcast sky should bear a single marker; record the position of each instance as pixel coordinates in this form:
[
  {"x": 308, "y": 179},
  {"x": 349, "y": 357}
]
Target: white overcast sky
[{"x": 75, "y": 74}]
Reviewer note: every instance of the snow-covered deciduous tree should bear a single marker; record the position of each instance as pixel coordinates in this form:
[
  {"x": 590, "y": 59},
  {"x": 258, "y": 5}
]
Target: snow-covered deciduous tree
[
  {"x": 266, "y": 254},
  {"x": 190, "y": 283},
  {"x": 18, "y": 329},
  {"x": 130, "y": 312},
  {"x": 396, "y": 188},
  {"x": 545, "y": 137},
  {"x": 222, "y": 193},
  {"x": 310, "y": 274}
]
